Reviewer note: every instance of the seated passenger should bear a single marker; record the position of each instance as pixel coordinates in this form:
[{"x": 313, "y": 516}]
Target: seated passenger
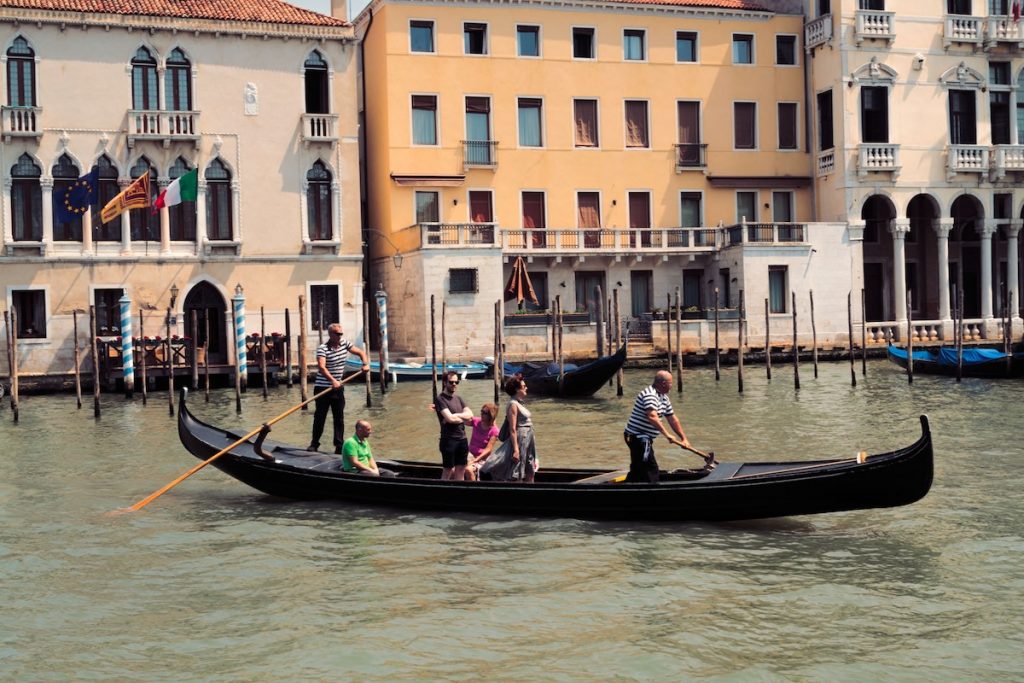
[
  {"x": 485, "y": 436},
  {"x": 355, "y": 452}
]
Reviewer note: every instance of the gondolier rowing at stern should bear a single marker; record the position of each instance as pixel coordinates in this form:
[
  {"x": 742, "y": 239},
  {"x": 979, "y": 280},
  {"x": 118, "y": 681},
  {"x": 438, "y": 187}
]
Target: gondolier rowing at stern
[{"x": 647, "y": 421}]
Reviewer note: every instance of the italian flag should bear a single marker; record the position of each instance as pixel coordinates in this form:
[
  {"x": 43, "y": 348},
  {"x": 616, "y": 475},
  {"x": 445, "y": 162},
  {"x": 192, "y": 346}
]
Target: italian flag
[{"x": 181, "y": 190}]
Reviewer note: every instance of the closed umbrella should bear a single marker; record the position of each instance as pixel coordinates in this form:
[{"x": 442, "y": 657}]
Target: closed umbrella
[{"x": 519, "y": 286}]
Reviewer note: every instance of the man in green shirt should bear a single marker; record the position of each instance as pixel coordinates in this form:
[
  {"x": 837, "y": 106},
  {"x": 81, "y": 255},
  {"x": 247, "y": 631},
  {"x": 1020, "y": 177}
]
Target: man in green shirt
[{"x": 355, "y": 452}]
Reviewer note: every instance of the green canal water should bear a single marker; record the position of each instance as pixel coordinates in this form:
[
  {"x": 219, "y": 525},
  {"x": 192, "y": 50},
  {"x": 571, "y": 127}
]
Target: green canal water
[{"x": 216, "y": 582}]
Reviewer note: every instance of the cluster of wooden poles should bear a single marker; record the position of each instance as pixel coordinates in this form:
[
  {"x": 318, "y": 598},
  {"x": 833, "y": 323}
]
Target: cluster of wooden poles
[{"x": 83, "y": 352}]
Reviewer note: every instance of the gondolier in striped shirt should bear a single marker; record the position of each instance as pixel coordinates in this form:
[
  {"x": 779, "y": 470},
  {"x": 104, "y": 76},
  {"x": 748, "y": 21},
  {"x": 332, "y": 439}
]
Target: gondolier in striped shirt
[
  {"x": 651, "y": 410},
  {"x": 330, "y": 361}
]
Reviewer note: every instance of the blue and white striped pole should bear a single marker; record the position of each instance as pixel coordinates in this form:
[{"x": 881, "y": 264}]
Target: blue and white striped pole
[
  {"x": 238, "y": 305},
  {"x": 382, "y": 313},
  {"x": 127, "y": 346}
]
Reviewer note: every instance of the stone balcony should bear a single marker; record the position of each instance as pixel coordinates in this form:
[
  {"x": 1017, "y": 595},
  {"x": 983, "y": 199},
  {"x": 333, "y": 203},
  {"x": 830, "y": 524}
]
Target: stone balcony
[
  {"x": 1003, "y": 30},
  {"x": 319, "y": 128},
  {"x": 967, "y": 159},
  {"x": 874, "y": 25},
  {"x": 877, "y": 157},
  {"x": 960, "y": 28},
  {"x": 817, "y": 32},
  {"x": 20, "y": 122},
  {"x": 1006, "y": 159},
  {"x": 618, "y": 242},
  {"x": 164, "y": 127}
]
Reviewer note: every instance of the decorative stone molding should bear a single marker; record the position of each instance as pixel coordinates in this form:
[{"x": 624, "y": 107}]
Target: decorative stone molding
[
  {"x": 874, "y": 73},
  {"x": 962, "y": 76}
]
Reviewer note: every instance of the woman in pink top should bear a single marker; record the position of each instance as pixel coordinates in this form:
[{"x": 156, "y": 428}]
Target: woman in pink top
[{"x": 485, "y": 436}]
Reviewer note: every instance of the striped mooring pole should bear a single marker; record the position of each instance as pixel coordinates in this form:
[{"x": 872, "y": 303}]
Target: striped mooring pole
[
  {"x": 382, "y": 312},
  {"x": 238, "y": 306},
  {"x": 127, "y": 346}
]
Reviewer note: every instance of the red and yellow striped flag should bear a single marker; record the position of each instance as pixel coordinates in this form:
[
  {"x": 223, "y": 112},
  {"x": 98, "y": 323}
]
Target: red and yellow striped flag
[{"x": 135, "y": 196}]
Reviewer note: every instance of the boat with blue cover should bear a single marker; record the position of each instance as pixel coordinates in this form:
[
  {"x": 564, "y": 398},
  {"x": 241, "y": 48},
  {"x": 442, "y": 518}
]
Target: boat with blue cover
[{"x": 977, "y": 361}]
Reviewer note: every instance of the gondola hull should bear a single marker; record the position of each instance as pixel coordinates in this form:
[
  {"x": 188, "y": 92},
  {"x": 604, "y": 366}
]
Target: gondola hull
[
  {"x": 731, "y": 491},
  {"x": 581, "y": 382},
  {"x": 943, "y": 361}
]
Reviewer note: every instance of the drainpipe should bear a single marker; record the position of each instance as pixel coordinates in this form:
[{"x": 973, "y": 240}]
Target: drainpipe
[
  {"x": 364, "y": 173},
  {"x": 808, "y": 136}
]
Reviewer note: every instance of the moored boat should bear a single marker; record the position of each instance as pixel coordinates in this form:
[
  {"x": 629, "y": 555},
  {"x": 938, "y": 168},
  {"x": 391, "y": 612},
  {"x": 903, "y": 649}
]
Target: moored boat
[
  {"x": 977, "y": 362},
  {"x": 419, "y": 370},
  {"x": 729, "y": 491},
  {"x": 579, "y": 381}
]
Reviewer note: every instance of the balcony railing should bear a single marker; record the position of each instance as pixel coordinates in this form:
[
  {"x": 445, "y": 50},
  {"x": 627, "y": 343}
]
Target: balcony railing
[
  {"x": 1003, "y": 30},
  {"x": 1007, "y": 159},
  {"x": 479, "y": 153},
  {"x": 21, "y": 122},
  {"x": 817, "y": 32},
  {"x": 319, "y": 128},
  {"x": 874, "y": 157},
  {"x": 960, "y": 28},
  {"x": 826, "y": 162},
  {"x": 967, "y": 159},
  {"x": 874, "y": 24},
  {"x": 595, "y": 240},
  {"x": 447, "y": 235},
  {"x": 691, "y": 155},
  {"x": 765, "y": 233},
  {"x": 163, "y": 126}
]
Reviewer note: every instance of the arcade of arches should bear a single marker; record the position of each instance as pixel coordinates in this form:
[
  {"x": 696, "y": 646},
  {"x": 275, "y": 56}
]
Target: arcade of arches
[{"x": 933, "y": 257}]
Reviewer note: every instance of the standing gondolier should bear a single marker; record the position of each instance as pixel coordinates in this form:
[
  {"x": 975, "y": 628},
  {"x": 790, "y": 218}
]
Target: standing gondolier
[
  {"x": 330, "y": 361},
  {"x": 645, "y": 425}
]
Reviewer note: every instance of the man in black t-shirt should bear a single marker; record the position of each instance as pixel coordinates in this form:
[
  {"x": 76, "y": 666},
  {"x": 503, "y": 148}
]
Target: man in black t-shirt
[{"x": 453, "y": 415}]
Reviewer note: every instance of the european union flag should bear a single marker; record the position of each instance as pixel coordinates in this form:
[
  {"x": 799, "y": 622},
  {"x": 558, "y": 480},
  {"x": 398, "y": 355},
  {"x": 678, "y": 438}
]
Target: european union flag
[{"x": 76, "y": 199}]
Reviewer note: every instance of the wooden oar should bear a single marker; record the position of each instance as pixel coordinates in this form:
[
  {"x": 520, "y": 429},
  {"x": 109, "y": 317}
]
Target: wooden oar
[
  {"x": 156, "y": 494},
  {"x": 709, "y": 458}
]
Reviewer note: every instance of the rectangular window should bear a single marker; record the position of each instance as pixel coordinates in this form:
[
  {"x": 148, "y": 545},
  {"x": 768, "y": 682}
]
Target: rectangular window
[
  {"x": 825, "y": 121},
  {"x": 539, "y": 280},
  {"x": 693, "y": 285},
  {"x": 1002, "y": 205},
  {"x": 690, "y": 209},
  {"x": 474, "y": 38},
  {"x": 633, "y": 44},
  {"x": 108, "y": 311},
  {"x": 481, "y": 206},
  {"x": 637, "y": 135},
  {"x": 874, "y": 114},
  {"x": 640, "y": 217},
  {"x": 530, "y": 122},
  {"x": 688, "y": 114},
  {"x": 528, "y": 41},
  {"x": 424, "y": 119},
  {"x": 743, "y": 48},
  {"x": 787, "y": 125},
  {"x": 825, "y": 7},
  {"x": 958, "y": 7},
  {"x": 785, "y": 50},
  {"x": 478, "y": 131},
  {"x": 587, "y": 281},
  {"x": 999, "y": 111},
  {"x": 582, "y": 43},
  {"x": 421, "y": 36},
  {"x": 777, "y": 286},
  {"x": 686, "y": 46},
  {"x": 585, "y": 112},
  {"x": 427, "y": 207},
  {"x": 782, "y": 207},
  {"x": 462, "y": 281},
  {"x": 534, "y": 217},
  {"x": 998, "y": 8},
  {"x": 746, "y": 206},
  {"x": 878, "y": 5},
  {"x": 962, "y": 118},
  {"x": 323, "y": 306},
  {"x": 30, "y": 305},
  {"x": 999, "y": 73},
  {"x": 744, "y": 125},
  {"x": 588, "y": 217}
]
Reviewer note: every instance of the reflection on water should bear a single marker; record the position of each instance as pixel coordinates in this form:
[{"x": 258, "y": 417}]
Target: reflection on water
[{"x": 217, "y": 582}]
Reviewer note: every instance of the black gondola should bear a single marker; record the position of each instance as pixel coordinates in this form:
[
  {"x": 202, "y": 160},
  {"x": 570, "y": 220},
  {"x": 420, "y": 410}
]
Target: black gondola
[
  {"x": 730, "y": 491},
  {"x": 580, "y": 381},
  {"x": 977, "y": 362}
]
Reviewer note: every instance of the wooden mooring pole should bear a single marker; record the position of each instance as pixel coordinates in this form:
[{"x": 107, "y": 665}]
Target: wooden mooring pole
[
  {"x": 679, "y": 343},
  {"x": 814, "y": 337},
  {"x": 78, "y": 361},
  {"x": 95, "y": 362},
  {"x": 300, "y": 359},
  {"x": 619, "y": 338},
  {"x": 262, "y": 346},
  {"x": 142, "y": 359},
  {"x": 796, "y": 349},
  {"x": 910, "y": 340},
  {"x": 433, "y": 349},
  {"x": 739, "y": 343},
  {"x": 849, "y": 321},
  {"x": 718, "y": 359},
  {"x": 10, "y": 320},
  {"x": 863, "y": 334},
  {"x": 170, "y": 366},
  {"x": 496, "y": 375},
  {"x": 288, "y": 348},
  {"x": 767, "y": 340},
  {"x": 366, "y": 340},
  {"x": 599, "y": 327}
]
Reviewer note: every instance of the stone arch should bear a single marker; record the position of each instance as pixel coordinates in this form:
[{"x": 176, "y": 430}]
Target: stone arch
[{"x": 209, "y": 303}]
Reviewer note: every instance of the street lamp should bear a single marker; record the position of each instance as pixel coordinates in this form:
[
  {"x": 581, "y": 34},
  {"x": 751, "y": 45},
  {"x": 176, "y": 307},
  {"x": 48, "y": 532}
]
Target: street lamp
[
  {"x": 397, "y": 257},
  {"x": 174, "y": 294}
]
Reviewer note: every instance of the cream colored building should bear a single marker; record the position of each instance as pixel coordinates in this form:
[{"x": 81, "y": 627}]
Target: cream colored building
[
  {"x": 635, "y": 147},
  {"x": 258, "y": 96},
  {"x": 918, "y": 110}
]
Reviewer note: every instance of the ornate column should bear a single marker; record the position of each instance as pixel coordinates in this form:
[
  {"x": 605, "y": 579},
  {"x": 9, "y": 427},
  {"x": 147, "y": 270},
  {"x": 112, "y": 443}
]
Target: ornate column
[
  {"x": 899, "y": 228},
  {"x": 942, "y": 228},
  {"x": 165, "y": 221},
  {"x": 126, "y": 221},
  {"x": 87, "y": 230},
  {"x": 200, "y": 216},
  {"x": 855, "y": 233},
  {"x": 47, "y": 186},
  {"x": 1013, "y": 265},
  {"x": 986, "y": 230}
]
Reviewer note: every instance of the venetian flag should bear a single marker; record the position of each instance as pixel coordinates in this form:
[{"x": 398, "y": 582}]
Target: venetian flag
[
  {"x": 135, "y": 196},
  {"x": 183, "y": 189},
  {"x": 1015, "y": 11}
]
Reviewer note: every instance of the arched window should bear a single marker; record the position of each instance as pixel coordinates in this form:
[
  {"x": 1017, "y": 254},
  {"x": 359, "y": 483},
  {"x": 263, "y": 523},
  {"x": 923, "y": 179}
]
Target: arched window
[
  {"x": 218, "y": 201},
  {"x": 144, "y": 92},
  {"x": 316, "y": 84},
  {"x": 21, "y": 74},
  {"x": 145, "y": 222},
  {"x": 26, "y": 200},
  {"x": 107, "y": 232},
  {"x": 178, "y": 82},
  {"x": 65, "y": 174},
  {"x": 318, "y": 202},
  {"x": 182, "y": 217}
]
